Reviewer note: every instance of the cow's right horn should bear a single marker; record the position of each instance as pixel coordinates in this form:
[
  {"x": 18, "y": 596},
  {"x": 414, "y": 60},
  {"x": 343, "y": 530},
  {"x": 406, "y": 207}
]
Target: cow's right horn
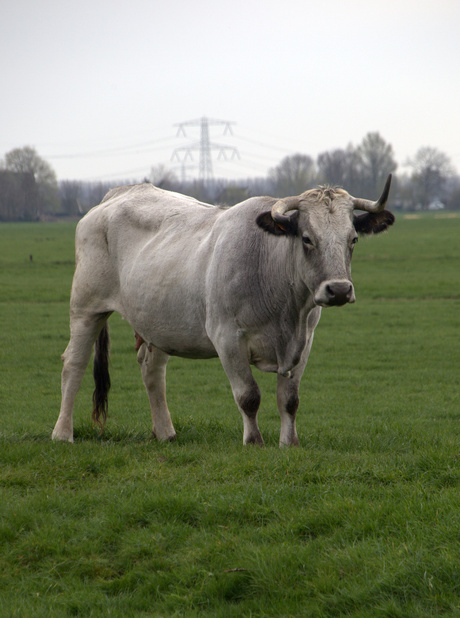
[
  {"x": 281, "y": 207},
  {"x": 368, "y": 205}
]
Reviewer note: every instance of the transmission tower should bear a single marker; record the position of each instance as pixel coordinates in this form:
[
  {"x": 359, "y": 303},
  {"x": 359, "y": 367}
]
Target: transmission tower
[{"x": 204, "y": 146}]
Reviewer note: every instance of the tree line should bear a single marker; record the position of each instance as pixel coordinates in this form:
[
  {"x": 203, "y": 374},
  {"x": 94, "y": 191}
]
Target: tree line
[{"x": 29, "y": 189}]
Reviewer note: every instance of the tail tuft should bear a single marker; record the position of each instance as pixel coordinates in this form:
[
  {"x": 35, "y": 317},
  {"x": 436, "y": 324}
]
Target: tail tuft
[{"x": 101, "y": 377}]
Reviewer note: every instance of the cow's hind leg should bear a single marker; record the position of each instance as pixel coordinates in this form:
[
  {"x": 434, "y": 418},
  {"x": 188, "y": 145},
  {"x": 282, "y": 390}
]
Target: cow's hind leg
[
  {"x": 83, "y": 333},
  {"x": 153, "y": 363}
]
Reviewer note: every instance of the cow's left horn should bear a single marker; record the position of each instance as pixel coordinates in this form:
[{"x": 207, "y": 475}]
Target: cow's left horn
[
  {"x": 281, "y": 207},
  {"x": 368, "y": 205}
]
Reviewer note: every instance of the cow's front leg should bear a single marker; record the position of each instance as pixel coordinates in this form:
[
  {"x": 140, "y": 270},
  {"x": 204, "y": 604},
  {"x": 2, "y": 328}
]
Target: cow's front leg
[
  {"x": 287, "y": 396},
  {"x": 153, "y": 363},
  {"x": 245, "y": 390},
  {"x": 248, "y": 402}
]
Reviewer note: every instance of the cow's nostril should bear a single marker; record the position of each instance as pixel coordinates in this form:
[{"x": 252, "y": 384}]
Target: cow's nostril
[{"x": 329, "y": 291}]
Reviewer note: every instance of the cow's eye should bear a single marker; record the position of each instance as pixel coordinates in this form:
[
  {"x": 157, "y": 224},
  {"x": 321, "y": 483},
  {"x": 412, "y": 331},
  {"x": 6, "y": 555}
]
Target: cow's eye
[
  {"x": 354, "y": 240},
  {"x": 306, "y": 241}
]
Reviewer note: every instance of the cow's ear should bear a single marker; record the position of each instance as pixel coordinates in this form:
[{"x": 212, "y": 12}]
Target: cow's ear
[
  {"x": 287, "y": 227},
  {"x": 373, "y": 222}
]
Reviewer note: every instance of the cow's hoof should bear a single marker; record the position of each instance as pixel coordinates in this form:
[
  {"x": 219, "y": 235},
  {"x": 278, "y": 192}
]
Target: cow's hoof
[
  {"x": 172, "y": 438},
  {"x": 59, "y": 437},
  {"x": 293, "y": 443},
  {"x": 254, "y": 439}
]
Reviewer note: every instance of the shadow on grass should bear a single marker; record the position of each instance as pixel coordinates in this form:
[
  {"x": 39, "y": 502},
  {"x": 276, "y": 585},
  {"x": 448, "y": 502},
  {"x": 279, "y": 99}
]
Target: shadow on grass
[
  {"x": 190, "y": 432},
  {"x": 92, "y": 433}
]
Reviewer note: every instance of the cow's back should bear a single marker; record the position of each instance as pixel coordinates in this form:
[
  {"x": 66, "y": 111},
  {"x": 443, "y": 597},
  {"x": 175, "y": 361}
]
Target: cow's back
[
  {"x": 144, "y": 207},
  {"x": 128, "y": 216}
]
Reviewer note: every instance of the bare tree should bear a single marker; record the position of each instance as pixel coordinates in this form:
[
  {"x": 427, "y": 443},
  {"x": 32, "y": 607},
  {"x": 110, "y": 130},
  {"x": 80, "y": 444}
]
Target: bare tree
[
  {"x": 340, "y": 167},
  {"x": 332, "y": 167},
  {"x": 163, "y": 177},
  {"x": 452, "y": 189},
  {"x": 431, "y": 170},
  {"x": 376, "y": 162},
  {"x": 18, "y": 196},
  {"x": 70, "y": 193},
  {"x": 294, "y": 175}
]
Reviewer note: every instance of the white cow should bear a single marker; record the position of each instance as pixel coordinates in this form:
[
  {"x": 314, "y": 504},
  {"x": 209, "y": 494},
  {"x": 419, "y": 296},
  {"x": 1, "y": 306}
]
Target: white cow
[{"x": 245, "y": 284}]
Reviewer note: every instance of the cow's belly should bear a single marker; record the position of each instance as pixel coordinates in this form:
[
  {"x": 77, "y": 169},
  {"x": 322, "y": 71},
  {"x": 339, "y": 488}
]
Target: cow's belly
[
  {"x": 176, "y": 329},
  {"x": 185, "y": 347},
  {"x": 172, "y": 333}
]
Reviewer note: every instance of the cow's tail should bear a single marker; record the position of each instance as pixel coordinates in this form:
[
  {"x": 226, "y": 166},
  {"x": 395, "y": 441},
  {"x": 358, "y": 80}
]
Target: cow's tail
[{"x": 101, "y": 377}]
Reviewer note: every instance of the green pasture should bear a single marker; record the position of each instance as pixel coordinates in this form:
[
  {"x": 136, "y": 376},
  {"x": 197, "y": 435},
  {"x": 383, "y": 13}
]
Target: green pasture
[{"x": 362, "y": 520}]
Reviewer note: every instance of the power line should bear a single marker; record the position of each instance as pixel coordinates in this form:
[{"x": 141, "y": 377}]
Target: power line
[
  {"x": 121, "y": 150},
  {"x": 264, "y": 145}
]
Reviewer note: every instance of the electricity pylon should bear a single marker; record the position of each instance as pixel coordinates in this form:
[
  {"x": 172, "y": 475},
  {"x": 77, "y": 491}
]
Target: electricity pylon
[{"x": 204, "y": 146}]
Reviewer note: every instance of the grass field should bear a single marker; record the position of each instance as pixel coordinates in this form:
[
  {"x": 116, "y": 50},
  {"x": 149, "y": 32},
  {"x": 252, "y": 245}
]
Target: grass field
[{"x": 362, "y": 520}]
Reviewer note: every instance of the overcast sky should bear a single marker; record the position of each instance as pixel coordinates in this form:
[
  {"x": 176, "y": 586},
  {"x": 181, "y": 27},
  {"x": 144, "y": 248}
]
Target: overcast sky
[{"x": 96, "y": 86}]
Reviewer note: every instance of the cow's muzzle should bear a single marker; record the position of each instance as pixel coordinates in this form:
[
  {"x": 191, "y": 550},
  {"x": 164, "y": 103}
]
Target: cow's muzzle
[{"x": 335, "y": 293}]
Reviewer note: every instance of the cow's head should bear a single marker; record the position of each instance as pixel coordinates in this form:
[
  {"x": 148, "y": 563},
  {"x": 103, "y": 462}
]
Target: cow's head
[{"x": 323, "y": 229}]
